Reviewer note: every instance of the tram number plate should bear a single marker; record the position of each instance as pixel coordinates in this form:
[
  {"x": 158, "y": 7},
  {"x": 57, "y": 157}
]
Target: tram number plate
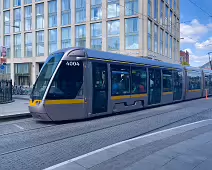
[{"x": 71, "y": 63}]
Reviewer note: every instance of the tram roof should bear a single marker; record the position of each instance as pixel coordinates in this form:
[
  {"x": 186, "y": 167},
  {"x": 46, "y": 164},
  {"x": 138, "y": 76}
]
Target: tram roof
[{"x": 120, "y": 57}]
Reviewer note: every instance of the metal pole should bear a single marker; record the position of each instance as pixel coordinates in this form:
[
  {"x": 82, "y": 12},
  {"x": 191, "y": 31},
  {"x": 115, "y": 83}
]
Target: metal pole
[{"x": 210, "y": 59}]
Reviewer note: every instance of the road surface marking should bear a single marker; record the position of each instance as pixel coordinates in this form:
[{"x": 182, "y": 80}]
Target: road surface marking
[
  {"x": 19, "y": 127},
  {"x": 110, "y": 146}
]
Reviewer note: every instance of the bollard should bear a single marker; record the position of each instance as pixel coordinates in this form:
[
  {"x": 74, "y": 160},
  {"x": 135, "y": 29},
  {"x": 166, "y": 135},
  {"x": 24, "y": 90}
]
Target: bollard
[{"x": 206, "y": 95}]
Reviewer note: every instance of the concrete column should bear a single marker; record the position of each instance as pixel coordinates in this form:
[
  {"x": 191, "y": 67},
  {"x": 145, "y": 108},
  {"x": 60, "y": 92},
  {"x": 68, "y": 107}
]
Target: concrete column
[
  {"x": 104, "y": 25},
  {"x": 122, "y": 26},
  {"x": 144, "y": 33},
  {"x": 12, "y": 68},
  {"x": 46, "y": 32},
  {"x": 1, "y": 24},
  {"x": 73, "y": 21},
  {"x": 88, "y": 28},
  {"x": 22, "y": 30},
  {"x": 59, "y": 22}
]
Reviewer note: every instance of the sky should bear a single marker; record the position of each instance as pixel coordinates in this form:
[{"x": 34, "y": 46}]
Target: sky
[{"x": 196, "y": 29}]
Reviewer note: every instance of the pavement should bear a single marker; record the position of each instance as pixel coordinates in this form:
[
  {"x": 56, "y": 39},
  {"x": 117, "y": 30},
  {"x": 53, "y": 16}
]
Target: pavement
[
  {"x": 22, "y": 97},
  {"x": 17, "y": 108},
  {"x": 186, "y": 147}
]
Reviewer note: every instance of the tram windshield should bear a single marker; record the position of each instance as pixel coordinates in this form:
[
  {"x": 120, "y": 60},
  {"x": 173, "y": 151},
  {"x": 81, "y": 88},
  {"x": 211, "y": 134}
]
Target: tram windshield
[{"x": 45, "y": 76}]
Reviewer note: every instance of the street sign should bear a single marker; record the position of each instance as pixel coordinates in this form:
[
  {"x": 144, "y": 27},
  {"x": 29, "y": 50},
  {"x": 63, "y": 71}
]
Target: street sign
[{"x": 2, "y": 67}]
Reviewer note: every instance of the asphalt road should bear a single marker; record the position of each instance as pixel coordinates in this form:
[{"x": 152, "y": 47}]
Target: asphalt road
[{"x": 27, "y": 144}]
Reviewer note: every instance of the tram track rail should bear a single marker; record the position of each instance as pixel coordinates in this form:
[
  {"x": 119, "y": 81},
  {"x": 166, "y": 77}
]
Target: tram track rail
[
  {"x": 63, "y": 123},
  {"x": 108, "y": 127}
]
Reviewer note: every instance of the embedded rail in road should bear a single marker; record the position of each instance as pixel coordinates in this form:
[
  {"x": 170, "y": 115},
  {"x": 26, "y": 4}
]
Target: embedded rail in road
[{"x": 27, "y": 144}]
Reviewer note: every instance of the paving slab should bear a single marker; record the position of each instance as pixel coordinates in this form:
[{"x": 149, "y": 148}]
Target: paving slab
[
  {"x": 185, "y": 148},
  {"x": 18, "y": 108}
]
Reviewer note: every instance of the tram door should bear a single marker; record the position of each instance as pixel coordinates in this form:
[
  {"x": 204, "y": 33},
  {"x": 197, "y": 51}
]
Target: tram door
[
  {"x": 154, "y": 86},
  {"x": 178, "y": 85},
  {"x": 100, "y": 88}
]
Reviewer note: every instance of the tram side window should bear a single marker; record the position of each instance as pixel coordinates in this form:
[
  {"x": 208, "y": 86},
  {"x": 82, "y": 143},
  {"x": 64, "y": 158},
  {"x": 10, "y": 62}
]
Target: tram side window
[
  {"x": 194, "y": 80},
  {"x": 167, "y": 81},
  {"x": 120, "y": 80},
  {"x": 67, "y": 83},
  {"x": 139, "y": 80}
]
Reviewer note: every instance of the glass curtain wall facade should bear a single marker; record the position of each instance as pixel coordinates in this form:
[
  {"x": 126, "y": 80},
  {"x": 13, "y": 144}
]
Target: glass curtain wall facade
[{"x": 32, "y": 29}]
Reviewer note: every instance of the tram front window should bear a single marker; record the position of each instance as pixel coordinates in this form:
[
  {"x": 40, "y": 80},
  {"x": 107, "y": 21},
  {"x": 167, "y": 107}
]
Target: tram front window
[
  {"x": 67, "y": 83},
  {"x": 45, "y": 76}
]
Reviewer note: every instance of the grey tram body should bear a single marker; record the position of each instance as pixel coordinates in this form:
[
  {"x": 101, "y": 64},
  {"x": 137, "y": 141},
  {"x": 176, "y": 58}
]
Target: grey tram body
[{"x": 47, "y": 111}]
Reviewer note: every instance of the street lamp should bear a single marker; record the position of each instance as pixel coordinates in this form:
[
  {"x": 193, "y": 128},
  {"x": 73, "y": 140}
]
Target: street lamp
[{"x": 210, "y": 59}]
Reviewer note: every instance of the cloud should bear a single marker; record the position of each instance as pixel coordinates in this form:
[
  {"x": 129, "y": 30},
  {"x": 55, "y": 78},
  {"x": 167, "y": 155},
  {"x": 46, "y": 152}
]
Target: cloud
[
  {"x": 196, "y": 60},
  {"x": 193, "y": 31},
  {"x": 205, "y": 45}
]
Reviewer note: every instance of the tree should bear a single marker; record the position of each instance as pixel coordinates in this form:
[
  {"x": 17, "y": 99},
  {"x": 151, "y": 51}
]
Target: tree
[{"x": 185, "y": 64}]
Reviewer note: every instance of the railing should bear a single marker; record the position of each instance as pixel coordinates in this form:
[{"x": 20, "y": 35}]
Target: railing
[{"x": 5, "y": 91}]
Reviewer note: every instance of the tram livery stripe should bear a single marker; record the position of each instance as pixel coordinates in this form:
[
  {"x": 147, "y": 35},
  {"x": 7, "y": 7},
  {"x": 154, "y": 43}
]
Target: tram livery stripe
[
  {"x": 75, "y": 101},
  {"x": 167, "y": 93},
  {"x": 128, "y": 97}
]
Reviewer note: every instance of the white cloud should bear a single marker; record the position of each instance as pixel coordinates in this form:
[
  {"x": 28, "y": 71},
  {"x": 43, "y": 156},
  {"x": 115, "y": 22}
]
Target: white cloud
[
  {"x": 196, "y": 60},
  {"x": 205, "y": 45},
  {"x": 193, "y": 31}
]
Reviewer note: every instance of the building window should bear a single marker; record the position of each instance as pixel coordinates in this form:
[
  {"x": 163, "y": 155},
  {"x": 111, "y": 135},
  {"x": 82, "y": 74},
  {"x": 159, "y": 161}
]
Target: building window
[
  {"x": 131, "y": 33},
  {"x": 52, "y": 40},
  {"x": 80, "y": 11},
  {"x": 52, "y": 13},
  {"x": 170, "y": 3},
  {"x": 170, "y": 20},
  {"x": 96, "y": 36},
  {"x": 17, "y": 20},
  {"x": 170, "y": 52},
  {"x": 156, "y": 39},
  {"x": 27, "y": 1},
  {"x": 96, "y": 9},
  {"x": 156, "y": 10},
  {"x": 161, "y": 12},
  {"x": 150, "y": 8},
  {"x": 40, "y": 16},
  {"x": 17, "y": 45},
  {"x": 175, "y": 5},
  {"x": 161, "y": 41},
  {"x": 16, "y": 3},
  {"x": 66, "y": 12},
  {"x": 131, "y": 7},
  {"x": 149, "y": 35},
  {"x": 40, "y": 43},
  {"x": 166, "y": 44},
  {"x": 113, "y": 31},
  {"x": 6, "y": 4},
  {"x": 66, "y": 37},
  {"x": 6, "y": 22},
  {"x": 38, "y": 0},
  {"x": 113, "y": 9},
  {"x": 177, "y": 51},
  {"x": 28, "y": 44},
  {"x": 81, "y": 36},
  {"x": 28, "y": 18},
  {"x": 166, "y": 17},
  {"x": 174, "y": 49},
  {"x": 7, "y": 44}
]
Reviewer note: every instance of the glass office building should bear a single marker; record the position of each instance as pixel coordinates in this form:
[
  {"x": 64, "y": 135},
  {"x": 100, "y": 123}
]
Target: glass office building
[{"x": 32, "y": 29}]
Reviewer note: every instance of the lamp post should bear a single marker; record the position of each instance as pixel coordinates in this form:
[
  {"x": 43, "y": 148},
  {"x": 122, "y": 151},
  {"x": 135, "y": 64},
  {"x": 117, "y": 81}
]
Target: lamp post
[{"x": 210, "y": 59}]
